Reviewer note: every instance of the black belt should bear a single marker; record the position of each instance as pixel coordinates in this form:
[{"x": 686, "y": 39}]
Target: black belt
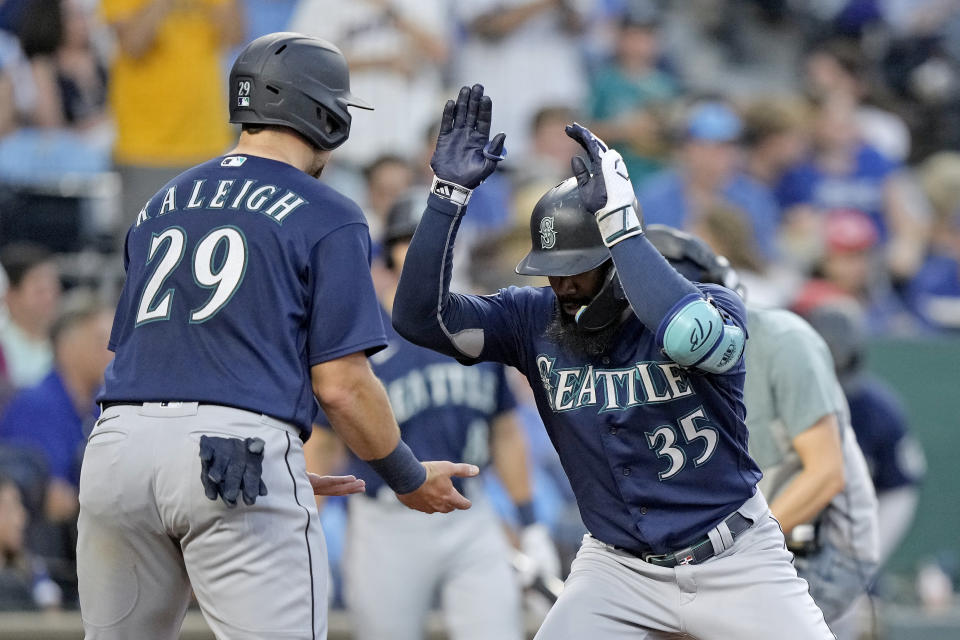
[{"x": 697, "y": 552}]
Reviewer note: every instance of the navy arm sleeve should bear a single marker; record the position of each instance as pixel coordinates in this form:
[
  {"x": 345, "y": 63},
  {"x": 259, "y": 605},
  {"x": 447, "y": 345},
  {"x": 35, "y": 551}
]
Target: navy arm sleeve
[
  {"x": 651, "y": 285},
  {"x": 425, "y": 312},
  {"x": 694, "y": 329}
]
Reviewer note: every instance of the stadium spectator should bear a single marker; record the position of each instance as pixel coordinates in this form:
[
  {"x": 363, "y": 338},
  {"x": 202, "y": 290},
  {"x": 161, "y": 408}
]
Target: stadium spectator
[
  {"x": 708, "y": 171},
  {"x": 765, "y": 283},
  {"x": 8, "y": 103},
  {"x": 852, "y": 266},
  {"x": 546, "y": 163},
  {"x": 55, "y": 415},
  {"x": 81, "y": 74},
  {"x": 397, "y": 51},
  {"x": 6, "y": 387},
  {"x": 934, "y": 293},
  {"x": 41, "y": 32},
  {"x": 839, "y": 68},
  {"x": 775, "y": 138},
  {"x": 31, "y": 305},
  {"x": 843, "y": 172},
  {"x": 167, "y": 89},
  {"x": 24, "y": 583},
  {"x": 626, "y": 93},
  {"x": 387, "y": 177},
  {"x": 528, "y": 52}
]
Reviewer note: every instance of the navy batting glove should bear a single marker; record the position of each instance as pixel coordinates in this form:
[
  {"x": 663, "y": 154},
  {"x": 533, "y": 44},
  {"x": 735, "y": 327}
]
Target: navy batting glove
[
  {"x": 605, "y": 187},
  {"x": 231, "y": 468},
  {"x": 465, "y": 155}
]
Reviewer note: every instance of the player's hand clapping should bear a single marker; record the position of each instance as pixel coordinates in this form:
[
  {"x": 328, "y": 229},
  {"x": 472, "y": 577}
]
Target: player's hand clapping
[
  {"x": 465, "y": 155},
  {"x": 605, "y": 187},
  {"x": 437, "y": 493}
]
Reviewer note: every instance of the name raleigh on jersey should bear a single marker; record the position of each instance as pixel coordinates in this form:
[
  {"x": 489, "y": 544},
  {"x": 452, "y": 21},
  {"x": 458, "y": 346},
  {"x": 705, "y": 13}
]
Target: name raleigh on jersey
[{"x": 226, "y": 194}]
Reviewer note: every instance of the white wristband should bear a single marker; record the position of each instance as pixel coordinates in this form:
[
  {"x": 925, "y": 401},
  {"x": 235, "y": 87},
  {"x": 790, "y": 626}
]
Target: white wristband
[
  {"x": 451, "y": 191},
  {"x": 618, "y": 225}
]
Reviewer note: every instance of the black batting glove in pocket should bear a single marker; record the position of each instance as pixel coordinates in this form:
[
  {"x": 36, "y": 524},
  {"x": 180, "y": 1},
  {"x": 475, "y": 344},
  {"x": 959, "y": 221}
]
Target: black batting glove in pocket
[{"x": 231, "y": 467}]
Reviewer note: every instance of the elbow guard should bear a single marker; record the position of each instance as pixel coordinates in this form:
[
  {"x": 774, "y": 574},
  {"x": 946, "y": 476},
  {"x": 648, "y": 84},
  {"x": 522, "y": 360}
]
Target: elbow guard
[{"x": 695, "y": 335}]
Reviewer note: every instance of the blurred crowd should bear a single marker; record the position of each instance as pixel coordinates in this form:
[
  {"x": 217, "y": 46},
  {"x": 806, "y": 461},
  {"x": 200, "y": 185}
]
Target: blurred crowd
[{"x": 815, "y": 144}]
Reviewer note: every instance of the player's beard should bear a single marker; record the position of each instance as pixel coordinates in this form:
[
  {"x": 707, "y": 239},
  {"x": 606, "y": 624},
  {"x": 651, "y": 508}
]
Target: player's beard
[{"x": 564, "y": 331}]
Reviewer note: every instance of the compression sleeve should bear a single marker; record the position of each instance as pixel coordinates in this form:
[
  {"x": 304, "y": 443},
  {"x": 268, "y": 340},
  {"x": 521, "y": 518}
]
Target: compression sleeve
[
  {"x": 425, "y": 312},
  {"x": 651, "y": 285},
  {"x": 688, "y": 327}
]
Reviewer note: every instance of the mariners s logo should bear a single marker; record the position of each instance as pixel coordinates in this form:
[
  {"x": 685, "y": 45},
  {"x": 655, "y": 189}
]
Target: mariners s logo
[{"x": 548, "y": 237}]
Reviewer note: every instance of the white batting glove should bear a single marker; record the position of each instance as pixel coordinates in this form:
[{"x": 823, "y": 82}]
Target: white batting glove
[
  {"x": 536, "y": 543},
  {"x": 605, "y": 187}
]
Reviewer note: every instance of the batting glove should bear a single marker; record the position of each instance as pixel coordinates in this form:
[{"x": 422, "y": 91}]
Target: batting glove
[
  {"x": 605, "y": 187},
  {"x": 230, "y": 467},
  {"x": 536, "y": 543},
  {"x": 465, "y": 155}
]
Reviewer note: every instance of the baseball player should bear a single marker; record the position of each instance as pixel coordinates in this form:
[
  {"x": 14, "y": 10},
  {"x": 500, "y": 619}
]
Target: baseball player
[
  {"x": 397, "y": 560},
  {"x": 800, "y": 435},
  {"x": 248, "y": 294},
  {"x": 638, "y": 376},
  {"x": 894, "y": 457}
]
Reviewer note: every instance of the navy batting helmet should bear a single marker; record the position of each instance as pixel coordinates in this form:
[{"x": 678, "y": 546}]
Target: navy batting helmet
[
  {"x": 565, "y": 242},
  {"x": 566, "y": 239},
  {"x": 693, "y": 258},
  {"x": 842, "y": 326},
  {"x": 297, "y": 81}
]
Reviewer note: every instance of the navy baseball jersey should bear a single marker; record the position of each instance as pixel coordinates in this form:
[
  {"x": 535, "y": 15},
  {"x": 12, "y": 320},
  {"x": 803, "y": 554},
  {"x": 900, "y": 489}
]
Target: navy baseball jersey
[
  {"x": 879, "y": 420},
  {"x": 656, "y": 454},
  {"x": 242, "y": 273},
  {"x": 444, "y": 409}
]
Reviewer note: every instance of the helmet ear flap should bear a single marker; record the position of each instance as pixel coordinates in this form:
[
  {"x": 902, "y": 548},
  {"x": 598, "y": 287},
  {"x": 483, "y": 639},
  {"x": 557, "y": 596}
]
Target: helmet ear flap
[{"x": 606, "y": 306}]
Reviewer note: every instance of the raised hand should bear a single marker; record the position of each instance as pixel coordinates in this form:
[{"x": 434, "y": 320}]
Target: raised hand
[
  {"x": 605, "y": 187},
  {"x": 437, "y": 493},
  {"x": 465, "y": 155}
]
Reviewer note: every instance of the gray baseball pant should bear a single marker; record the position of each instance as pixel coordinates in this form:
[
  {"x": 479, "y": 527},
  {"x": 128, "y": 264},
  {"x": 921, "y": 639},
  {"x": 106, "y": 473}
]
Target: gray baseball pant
[
  {"x": 749, "y": 591},
  {"x": 397, "y": 561},
  {"x": 147, "y": 532}
]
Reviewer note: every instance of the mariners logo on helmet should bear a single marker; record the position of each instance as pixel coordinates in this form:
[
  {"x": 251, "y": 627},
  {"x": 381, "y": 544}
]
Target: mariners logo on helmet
[{"x": 548, "y": 237}]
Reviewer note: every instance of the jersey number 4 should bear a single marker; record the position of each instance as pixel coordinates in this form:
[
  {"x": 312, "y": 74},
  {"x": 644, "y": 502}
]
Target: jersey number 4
[
  {"x": 666, "y": 438},
  {"x": 219, "y": 262}
]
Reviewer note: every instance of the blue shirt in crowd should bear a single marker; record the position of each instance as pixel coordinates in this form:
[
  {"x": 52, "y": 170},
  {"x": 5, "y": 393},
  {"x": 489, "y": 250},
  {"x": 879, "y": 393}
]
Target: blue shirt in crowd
[
  {"x": 663, "y": 199},
  {"x": 45, "y": 419},
  {"x": 934, "y": 293},
  {"x": 860, "y": 189}
]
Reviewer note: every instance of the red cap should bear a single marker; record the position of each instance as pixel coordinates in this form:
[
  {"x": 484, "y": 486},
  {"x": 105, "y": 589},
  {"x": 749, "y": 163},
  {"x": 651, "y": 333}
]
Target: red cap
[
  {"x": 815, "y": 293},
  {"x": 849, "y": 230}
]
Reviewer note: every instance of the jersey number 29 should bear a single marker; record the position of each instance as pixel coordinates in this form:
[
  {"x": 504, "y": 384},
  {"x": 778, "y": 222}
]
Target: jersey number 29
[{"x": 223, "y": 277}]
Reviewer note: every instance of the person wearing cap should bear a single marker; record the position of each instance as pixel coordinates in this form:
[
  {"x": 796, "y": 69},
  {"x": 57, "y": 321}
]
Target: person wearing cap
[
  {"x": 844, "y": 172},
  {"x": 627, "y": 93},
  {"x": 851, "y": 265},
  {"x": 396, "y": 559},
  {"x": 707, "y": 171}
]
